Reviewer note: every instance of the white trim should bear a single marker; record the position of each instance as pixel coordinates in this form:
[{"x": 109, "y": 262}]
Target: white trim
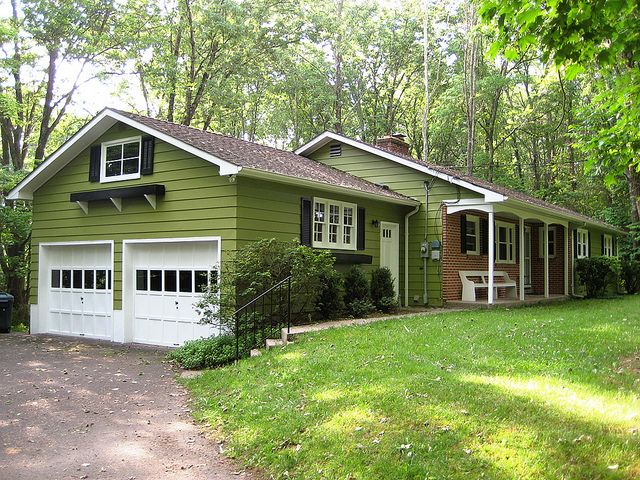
[
  {"x": 103, "y": 160},
  {"x": 89, "y": 134},
  {"x": 554, "y": 243},
  {"x": 521, "y": 261},
  {"x": 475, "y": 220},
  {"x": 510, "y": 227},
  {"x": 583, "y": 248},
  {"x": 128, "y": 291},
  {"x": 406, "y": 253},
  {"x": 337, "y": 189},
  {"x": 607, "y": 249},
  {"x": 44, "y": 276},
  {"x": 491, "y": 259},
  {"x": 326, "y": 137},
  {"x": 326, "y": 223},
  {"x": 567, "y": 244},
  {"x": 545, "y": 246}
]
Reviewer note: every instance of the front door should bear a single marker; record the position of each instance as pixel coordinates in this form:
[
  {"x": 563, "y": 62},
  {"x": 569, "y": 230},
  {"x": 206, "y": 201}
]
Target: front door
[
  {"x": 527, "y": 257},
  {"x": 390, "y": 251}
]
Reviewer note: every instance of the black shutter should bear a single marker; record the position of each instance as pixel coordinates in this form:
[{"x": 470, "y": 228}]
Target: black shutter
[
  {"x": 305, "y": 221},
  {"x": 94, "y": 163},
  {"x": 602, "y": 244},
  {"x": 589, "y": 245},
  {"x": 361, "y": 228},
  {"x": 614, "y": 250},
  {"x": 146, "y": 162},
  {"x": 575, "y": 243},
  {"x": 517, "y": 241},
  {"x": 484, "y": 236},
  {"x": 463, "y": 234}
]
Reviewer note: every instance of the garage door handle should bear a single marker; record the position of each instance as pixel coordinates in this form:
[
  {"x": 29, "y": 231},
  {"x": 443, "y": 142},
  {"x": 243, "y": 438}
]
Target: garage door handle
[
  {"x": 176, "y": 304},
  {"x": 81, "y": 299}
]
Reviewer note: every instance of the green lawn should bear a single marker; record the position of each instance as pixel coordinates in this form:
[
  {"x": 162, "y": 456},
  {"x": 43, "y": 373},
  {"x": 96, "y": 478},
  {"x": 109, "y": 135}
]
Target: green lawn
[{"x": 541, "y": 392}]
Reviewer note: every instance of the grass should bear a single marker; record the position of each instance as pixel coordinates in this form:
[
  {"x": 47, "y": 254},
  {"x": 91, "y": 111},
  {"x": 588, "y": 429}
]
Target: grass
[{"x": 533, "y": 393}]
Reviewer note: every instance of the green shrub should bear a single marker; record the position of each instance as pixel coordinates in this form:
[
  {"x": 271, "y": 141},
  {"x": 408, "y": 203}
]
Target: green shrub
[
  {"x": 330, "y": 301},
  {"x": 356, "y": 293},
  {"x": 258, "y": 266},
  {"x": 597, "y": 274},
  {"x": 206, "y": 352},
  {"x": 630, "y": 272},
  {"x": 383, "y": 294}
]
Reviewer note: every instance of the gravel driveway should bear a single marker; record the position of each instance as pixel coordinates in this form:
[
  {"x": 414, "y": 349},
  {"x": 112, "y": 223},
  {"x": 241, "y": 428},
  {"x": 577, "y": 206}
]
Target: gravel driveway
[{"x": 80, "y": 409}]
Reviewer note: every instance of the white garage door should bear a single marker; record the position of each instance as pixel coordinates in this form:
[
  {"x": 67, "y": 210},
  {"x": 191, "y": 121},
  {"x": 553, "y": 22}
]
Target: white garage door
[
  {"x": 169, "y": 278},
  {"x": 80, "y": 300}
]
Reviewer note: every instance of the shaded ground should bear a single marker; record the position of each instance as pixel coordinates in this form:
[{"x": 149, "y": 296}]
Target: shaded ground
[{"x": 71, "y": 409}]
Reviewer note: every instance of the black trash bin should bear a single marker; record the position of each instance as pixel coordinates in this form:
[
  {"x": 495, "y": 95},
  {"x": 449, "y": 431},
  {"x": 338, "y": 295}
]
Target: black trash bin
[{"x": 6, "y": 305}]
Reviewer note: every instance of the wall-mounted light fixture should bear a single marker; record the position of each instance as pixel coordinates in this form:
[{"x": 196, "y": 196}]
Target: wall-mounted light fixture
[{"x": 375, "y": 223}]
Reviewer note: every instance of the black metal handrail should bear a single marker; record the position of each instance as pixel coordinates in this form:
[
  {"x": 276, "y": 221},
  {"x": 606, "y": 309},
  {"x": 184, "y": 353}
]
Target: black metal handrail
[{"x": 252, "y": 323}]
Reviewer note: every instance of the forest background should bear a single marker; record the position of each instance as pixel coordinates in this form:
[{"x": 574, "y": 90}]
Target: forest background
[{"x": 538, "y": 96}]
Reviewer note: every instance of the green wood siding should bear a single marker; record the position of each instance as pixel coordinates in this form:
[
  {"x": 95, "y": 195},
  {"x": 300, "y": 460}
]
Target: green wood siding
[
  {"x": 272, "y": 210},
  {"x": 411, "y": 183},
  {"x": 198, "y": 203}
]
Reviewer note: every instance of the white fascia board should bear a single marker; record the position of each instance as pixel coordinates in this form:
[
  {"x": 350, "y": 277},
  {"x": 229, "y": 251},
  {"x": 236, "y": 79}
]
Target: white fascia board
[
  {"x": 300, "y": 182},
  {"x": 226, "y": 168},
  {"x": 326, "y": 137},
  {"x": 86, "y": 136},
  {"x": 52, "y": 165}
]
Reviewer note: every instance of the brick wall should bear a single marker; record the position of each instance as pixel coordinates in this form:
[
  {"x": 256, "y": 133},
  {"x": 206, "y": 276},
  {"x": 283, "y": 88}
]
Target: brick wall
[
  {"x": 453, "y": 260},
  {"x": 556, "y": 264}
]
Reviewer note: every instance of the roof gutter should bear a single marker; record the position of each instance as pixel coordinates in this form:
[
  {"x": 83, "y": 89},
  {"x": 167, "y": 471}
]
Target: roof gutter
[{"x": 301, "y": 182}]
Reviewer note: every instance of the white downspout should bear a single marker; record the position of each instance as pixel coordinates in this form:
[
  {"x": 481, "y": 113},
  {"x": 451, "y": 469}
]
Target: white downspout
[{"x": 406, "y": 253}]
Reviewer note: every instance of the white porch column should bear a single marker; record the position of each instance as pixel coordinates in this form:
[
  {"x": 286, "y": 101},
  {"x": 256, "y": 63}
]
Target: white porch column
[
  {"x": 521, "y": 259},
  {"x": 545, "y": 249},
  {"x": 491, "y": 257},
  {"x": 567, "y": 245}
]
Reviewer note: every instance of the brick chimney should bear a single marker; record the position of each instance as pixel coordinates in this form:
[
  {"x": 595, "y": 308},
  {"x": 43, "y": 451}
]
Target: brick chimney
[{"x": 394, "y": 143}]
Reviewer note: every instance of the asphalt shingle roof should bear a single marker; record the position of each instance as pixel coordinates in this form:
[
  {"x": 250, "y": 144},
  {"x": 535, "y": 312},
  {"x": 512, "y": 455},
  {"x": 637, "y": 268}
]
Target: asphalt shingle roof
[
  {"x": 508, "y": 192},
  {"x": 247, "y": 154}
]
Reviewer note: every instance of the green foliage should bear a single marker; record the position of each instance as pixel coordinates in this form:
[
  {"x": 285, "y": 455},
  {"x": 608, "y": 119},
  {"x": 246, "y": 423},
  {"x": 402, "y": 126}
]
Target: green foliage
[
  {"x": 383, "y": 295},
  {"x": 357, "y": 296},
  {"x": 206, "y": 352},
  {"x": 630, "y": 272},
  {"x": 260, "y": 265},
  {"x": 598, "y": 274},
  {"x": 330, "y": 301}
]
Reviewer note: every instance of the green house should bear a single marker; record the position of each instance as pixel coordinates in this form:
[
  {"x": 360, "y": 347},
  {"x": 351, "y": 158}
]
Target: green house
[{"x": 132, "y": 216}]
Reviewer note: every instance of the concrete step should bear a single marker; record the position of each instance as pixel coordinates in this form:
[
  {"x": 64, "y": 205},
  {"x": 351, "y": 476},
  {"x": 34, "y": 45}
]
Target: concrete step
[
  {"x": 274, "y": 342},
  {"x": 256, "y": 352}
]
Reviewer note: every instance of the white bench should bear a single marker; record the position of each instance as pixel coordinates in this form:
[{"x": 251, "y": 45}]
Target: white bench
[{"x": 472, "y": 280}]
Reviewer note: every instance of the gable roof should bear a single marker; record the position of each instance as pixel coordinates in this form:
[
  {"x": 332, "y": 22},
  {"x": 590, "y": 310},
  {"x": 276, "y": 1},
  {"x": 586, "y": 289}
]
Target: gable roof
[
  {"x": 232, "y": 155},
  {"x": 490, "y": 191}
]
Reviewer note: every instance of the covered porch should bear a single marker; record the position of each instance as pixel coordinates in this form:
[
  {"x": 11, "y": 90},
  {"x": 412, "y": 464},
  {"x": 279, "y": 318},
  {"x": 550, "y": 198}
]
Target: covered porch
[{"x": 487, "y": 244}]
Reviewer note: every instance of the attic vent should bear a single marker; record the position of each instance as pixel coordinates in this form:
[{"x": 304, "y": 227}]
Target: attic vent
[{"x": 335, "y": 150}]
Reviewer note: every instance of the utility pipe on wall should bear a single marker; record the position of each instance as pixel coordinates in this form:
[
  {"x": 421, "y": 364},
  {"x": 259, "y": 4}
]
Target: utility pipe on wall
[{"x": 406, "y": 253}]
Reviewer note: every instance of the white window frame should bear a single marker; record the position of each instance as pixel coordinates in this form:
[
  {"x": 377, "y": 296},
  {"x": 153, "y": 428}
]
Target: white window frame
[
  {"x": 476, "y": 221},
  {"x": 582, "y": 243},
  {"x": 511, "y": 245},
  {"x": 541, "y": 244},
  {"x": 340, "y": 243},
  {"x": 607, "y": 247},
  {"x": 103, "y": 160}
]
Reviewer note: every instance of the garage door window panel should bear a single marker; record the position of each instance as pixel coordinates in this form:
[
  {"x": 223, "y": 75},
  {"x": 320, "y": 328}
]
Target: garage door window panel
[
  {"x": 101, "y": 279},
  {"x": 88, "y": 279},
  {"x": 55, "y": 278},
  {"x": 170, "y": 281},
  {"x": 186, "y": 281},
  {"x": 77, "y": 279},
  {"x": 155, "y": 280}
]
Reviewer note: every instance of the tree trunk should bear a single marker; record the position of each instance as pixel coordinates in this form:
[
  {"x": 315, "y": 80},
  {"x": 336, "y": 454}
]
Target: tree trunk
[
  {"x": 337, "y": 54},
  {"x": 427, "y": 97},
  {"x": 469, "y": 85},
  {"x": 633, "y": 179},
  {"x": 47, "y": 109}
]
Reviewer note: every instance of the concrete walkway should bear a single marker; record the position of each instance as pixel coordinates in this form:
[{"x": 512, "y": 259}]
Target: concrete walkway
[
  {"x": 85, "y": 410},
  {"x": 316, "y": 327}
]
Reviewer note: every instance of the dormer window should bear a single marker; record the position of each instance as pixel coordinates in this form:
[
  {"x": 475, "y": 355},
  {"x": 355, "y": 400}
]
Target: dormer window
[{"x": 120, "y": 160}]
